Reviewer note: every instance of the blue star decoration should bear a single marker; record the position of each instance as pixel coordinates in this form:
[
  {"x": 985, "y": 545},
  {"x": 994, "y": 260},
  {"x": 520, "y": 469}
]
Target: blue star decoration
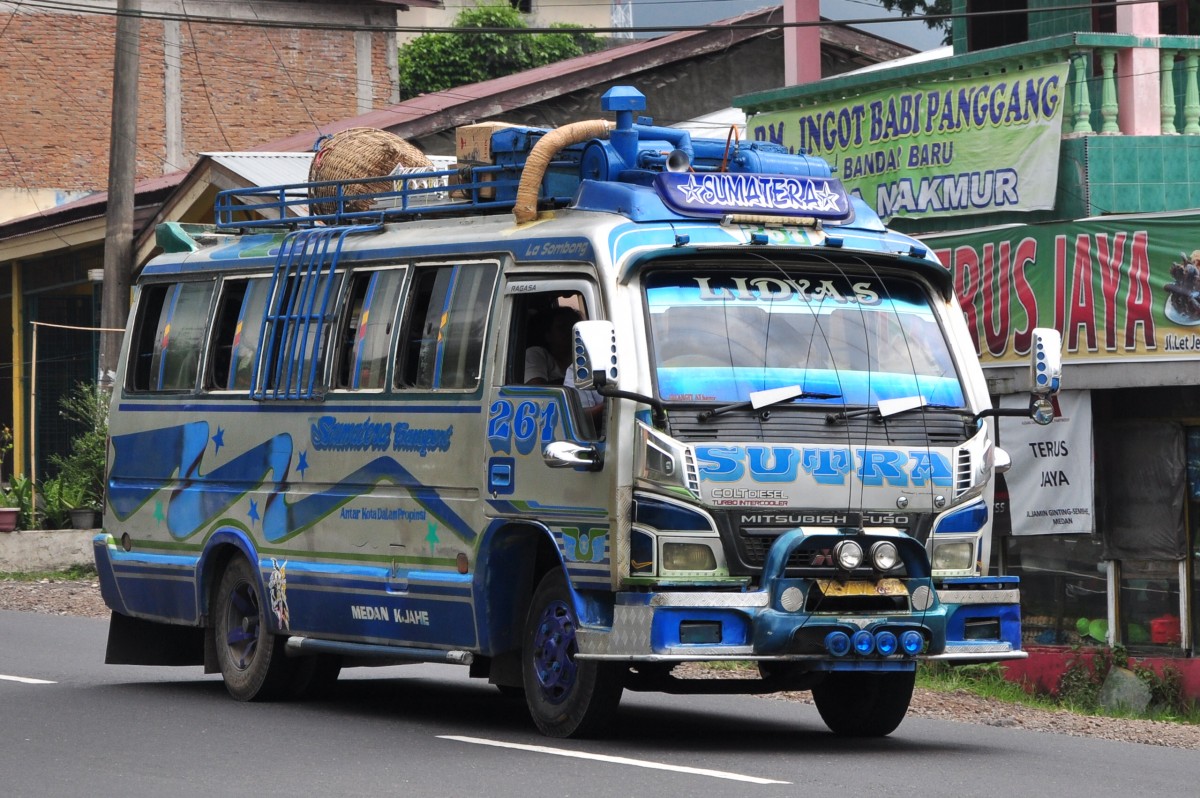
[
  {"x": 253, "y": 512},
  {"x": 219, "y": 439},
  {"x": 302, "y": 463},
  {"x": 432, "y": 537}
]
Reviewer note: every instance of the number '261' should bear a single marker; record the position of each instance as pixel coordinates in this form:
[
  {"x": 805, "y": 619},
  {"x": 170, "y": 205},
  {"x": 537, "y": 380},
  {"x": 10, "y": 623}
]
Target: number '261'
[{"x": 525, "y": 423}]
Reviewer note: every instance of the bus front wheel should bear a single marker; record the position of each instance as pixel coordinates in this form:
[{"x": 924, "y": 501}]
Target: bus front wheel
[
  {"x": 252, "y": 659},
  {"x": 864, "y": 704},
  {"x": 566, "y": 697}
]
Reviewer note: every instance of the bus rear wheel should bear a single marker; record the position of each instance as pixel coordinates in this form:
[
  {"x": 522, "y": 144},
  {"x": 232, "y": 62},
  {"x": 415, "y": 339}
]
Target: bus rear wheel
[
  {"x": 864, "y": 704},
  {"x": 566, "y": 697},
  {"x": 252, "y": 660}
]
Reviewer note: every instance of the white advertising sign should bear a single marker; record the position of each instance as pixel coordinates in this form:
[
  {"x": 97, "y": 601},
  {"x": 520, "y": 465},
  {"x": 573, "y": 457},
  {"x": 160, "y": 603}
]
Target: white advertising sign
[{"x": 1050, "y": 482}]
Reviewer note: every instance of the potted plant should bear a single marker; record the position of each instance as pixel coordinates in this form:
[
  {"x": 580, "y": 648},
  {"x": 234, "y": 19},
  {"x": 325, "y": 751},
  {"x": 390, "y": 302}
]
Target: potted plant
[
  {"x": 10, "y": 513},
  {"x": 80, "y": 506},
  {"x": 16, "y": 504},
  {"x": 81, "y": 470}
]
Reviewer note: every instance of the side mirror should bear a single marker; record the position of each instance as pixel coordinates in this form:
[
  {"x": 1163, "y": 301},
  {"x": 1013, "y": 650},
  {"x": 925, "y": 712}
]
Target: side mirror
[
  {"x": 594, "y": 354},
  {"x": 1045, "y": 362},
  {"x": 1045, "y": 378}
]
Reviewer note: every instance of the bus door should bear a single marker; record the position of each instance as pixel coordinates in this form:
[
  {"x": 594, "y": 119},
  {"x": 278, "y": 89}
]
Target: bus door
[{"x": 532, "y": 407}]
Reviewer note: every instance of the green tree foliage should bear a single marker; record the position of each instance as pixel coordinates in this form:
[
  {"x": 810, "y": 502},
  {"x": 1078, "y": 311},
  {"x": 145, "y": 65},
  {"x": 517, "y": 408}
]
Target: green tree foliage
[
  {"x": 81, "y": 472},
  {"x": 922, "y": 8},
  {"x": 438, "y": 61}
]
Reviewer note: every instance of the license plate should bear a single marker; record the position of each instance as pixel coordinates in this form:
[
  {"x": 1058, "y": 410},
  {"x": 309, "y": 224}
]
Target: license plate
[{"x": 884, "y": 587}]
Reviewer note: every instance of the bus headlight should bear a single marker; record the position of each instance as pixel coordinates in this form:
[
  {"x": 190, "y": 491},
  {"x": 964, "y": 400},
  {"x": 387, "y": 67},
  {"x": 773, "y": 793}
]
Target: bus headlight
[
  {"x": 885, "y": 556},
  {"x": 954, "y": 544},
  {"x": 957, "y": 555},
  {"x": 848, "y": 555},
  {"x": 688, "y": 557}
]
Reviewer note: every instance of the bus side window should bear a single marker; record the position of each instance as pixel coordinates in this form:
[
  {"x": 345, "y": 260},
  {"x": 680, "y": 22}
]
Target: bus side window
[
  {"x": 442, "y": 344},
  {"x": 363, "y": 343},
  {"x": 147, "y": 334},
  {"x": 235, "y": 334},
  {"x": 176, "y": 316}
]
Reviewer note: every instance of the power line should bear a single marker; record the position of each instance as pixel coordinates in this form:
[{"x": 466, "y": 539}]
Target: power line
[{"x": 842, "y": 23}]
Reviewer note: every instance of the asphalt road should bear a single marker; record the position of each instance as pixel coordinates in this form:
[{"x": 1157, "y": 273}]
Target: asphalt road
[{"x": 72, "y": 726}]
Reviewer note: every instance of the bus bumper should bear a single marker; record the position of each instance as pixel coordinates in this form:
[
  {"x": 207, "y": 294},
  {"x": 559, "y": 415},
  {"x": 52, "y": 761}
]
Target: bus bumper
[{"x": 964, "y": 620}]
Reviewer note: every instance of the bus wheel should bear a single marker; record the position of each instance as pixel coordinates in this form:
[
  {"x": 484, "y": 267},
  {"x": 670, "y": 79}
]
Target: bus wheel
[
  {"x": 566, "y": 697},
  {"x": 864, "y": 704},
  {"x": 252, "y": 659},
  {"x": 313, "y": 676}
]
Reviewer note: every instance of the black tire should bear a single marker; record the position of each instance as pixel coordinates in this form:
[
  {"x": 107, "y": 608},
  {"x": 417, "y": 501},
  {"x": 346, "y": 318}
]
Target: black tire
[
  {"x": 511, "y": 691},
  {"x": 864, "y": 704},
  {"x": 252, "y": 659},
  {"x": 566, "y": 697},
  {"x": 313, "y": 676}
]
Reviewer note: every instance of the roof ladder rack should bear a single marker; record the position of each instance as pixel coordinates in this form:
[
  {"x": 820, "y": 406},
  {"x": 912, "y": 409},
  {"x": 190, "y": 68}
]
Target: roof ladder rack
[{"x": 285, "y": 365}]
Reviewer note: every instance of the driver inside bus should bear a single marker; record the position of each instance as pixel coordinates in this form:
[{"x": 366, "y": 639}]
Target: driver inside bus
[
  {"x": 550, "y": 363},
  {"x": 546, "y": 364}
]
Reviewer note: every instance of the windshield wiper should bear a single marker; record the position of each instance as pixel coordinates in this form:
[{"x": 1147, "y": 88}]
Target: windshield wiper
[
  {"x": 761, "y": 399},
  {"x": 886, "y": 408}
]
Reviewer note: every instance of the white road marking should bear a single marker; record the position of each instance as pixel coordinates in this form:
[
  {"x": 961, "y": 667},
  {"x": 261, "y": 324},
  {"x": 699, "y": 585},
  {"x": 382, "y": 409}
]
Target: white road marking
[
  {"x": 24, "y": 680},
  {"x": 616, "y": 760}
]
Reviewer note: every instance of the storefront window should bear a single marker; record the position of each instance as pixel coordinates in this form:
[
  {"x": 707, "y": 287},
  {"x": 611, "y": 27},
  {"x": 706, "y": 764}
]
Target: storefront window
[
  {"x": 1149, "y": 604},
  {"x": 1063, "y": 588}
]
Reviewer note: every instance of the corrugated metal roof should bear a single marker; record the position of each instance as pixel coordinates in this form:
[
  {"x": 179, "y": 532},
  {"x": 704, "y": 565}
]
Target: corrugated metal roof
[
  {"x": 281, "y": 168},
  {"x": 265, "y": 168}
]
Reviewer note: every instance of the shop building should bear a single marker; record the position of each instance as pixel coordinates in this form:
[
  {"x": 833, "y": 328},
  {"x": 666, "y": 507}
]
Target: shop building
[{"x": 1053, "y": 164}]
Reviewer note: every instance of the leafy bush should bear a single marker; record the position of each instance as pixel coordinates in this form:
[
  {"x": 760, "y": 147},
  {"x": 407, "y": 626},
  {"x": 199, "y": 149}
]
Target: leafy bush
[
  {"x": 54, "y": 512},
  {"x": 1079, "y": 685},
  {"x": 80, "y": 473}
]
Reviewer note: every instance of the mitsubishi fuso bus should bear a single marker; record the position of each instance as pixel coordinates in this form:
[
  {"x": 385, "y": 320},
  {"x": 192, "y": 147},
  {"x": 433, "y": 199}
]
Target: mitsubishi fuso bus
[{"x": 615, "y": 400}]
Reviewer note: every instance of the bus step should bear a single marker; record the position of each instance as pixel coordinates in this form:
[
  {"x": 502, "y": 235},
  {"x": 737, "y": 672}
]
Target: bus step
[{"x": 301, "y": 646}]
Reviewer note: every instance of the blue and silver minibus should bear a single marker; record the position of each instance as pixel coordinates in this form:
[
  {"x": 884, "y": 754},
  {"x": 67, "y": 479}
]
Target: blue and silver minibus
[{"x": 767, "y": 441}]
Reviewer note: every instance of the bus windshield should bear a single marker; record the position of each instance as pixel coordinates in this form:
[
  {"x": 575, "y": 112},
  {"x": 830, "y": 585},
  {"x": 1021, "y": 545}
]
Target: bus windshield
[{"x": 719, "y": 336}]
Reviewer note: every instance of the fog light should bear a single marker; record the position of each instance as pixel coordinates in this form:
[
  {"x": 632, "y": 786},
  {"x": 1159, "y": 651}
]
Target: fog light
[
  {"x": 837, "y": 643},
  {"x": 885, "y": 556},
  {"x": 885, "y": 643},
  {"x": 688, "y": 557},
  {"x": 848, "y": 555},
  {"x": 958, "y": 556},
  {"x": 911, "y": 642},
  {"x": 981, "y": 629},
  {"x": 864, "y": 642},
  {"x": 700, "y": 632}
]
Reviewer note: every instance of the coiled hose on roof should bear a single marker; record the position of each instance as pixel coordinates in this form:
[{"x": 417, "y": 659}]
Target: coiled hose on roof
[{"x": 525, "y": 209}]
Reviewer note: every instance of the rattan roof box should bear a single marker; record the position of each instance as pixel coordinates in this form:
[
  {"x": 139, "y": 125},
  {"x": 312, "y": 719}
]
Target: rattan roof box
[{"x": 357, "y": 153}]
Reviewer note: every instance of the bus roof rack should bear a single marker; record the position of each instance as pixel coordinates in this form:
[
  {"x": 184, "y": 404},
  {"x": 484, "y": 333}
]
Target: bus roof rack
[{"x": 705, "y": 178}]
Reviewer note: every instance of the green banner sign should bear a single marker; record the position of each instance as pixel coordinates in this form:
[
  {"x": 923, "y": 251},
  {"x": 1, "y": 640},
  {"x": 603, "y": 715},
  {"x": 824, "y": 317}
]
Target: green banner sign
[
  {"x": 950, "y": 147},
  {"x": 1118, "y": 290}
]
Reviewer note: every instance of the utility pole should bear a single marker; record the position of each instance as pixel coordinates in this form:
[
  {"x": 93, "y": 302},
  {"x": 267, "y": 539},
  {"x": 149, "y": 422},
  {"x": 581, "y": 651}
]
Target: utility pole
[{"x": 122, "y": 172}]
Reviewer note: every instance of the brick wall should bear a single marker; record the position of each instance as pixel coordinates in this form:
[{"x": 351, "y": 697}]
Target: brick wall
[{"x": 241, "y": 86}]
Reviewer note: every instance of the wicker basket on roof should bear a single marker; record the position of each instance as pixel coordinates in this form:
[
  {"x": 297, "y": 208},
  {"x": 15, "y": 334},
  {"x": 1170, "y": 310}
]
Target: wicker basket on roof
[{"x": 357, "y": 153}]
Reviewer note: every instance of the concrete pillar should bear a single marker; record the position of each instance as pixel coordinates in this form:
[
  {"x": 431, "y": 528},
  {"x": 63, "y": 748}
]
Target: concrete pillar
[
  {"x": 1137, "y": 73},
  {"x": 802, "y": 45}
]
